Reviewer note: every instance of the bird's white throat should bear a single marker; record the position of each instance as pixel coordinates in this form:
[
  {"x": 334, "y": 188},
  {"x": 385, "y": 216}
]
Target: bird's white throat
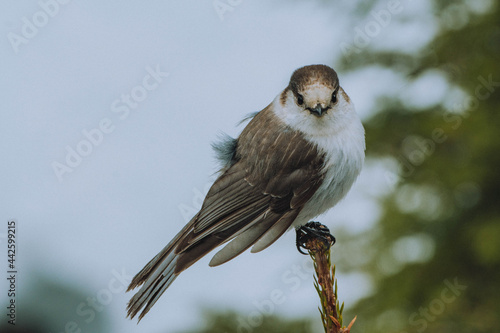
[{"x": 338, "y": 134}]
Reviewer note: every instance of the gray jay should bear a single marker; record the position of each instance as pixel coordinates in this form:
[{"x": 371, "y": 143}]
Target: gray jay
[{"x": 294, "y": 160}]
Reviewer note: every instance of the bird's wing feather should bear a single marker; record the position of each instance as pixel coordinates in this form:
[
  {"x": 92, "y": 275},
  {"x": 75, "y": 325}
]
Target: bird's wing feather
[
  {"x": 277, "y": 171},
  {"x": 276, "y": 230},
  {"x": 244, "y": 240},
  {"x": 254, "y": 201}
]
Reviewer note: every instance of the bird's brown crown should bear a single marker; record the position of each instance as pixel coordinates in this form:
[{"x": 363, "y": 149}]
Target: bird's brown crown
[{"x": 312, "y": 74}]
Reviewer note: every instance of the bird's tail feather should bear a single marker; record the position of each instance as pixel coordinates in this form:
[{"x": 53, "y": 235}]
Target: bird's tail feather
[
  {"x": 185, "y": 249},
  {"x": 154, "y": 287},
  {"x": 163, "y": 269},
  {"x": 156, "y": 276}
]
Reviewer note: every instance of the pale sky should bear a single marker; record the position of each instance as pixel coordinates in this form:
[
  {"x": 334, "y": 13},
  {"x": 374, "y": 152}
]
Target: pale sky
[{"x": 139, "y": 91}]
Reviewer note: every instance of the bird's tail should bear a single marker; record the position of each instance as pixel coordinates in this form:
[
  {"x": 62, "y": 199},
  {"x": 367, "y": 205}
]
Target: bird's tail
[
  {"x": 156, "y": 276},
  {"x": 191, "y": 245},
  {"x": 183, "y": 251}
]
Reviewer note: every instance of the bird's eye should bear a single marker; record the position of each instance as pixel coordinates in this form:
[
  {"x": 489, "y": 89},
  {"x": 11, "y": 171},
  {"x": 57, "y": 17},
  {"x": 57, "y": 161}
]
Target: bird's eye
[
  {"x": 334, "y": 97},
  {"x": 300, "y": 99}
]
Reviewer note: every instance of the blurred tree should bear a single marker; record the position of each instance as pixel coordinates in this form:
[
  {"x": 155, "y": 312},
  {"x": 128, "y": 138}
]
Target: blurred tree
[
  {"x": 434, "y": 256},
  {"x": 48, "y": 304},
  {"x": 231, "y": 322}
]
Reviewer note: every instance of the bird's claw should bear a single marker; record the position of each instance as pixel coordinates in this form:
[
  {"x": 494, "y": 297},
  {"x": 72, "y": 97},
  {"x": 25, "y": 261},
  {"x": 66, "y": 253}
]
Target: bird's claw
[{"x": 312, "y": 230}]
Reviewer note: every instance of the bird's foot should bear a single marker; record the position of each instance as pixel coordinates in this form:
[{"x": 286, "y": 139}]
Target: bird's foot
[{"x": 313, "y": 231}]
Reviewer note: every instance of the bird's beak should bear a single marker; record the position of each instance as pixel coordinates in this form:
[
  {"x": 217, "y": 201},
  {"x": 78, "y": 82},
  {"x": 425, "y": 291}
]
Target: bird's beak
[{"x": 317, "y": 110}]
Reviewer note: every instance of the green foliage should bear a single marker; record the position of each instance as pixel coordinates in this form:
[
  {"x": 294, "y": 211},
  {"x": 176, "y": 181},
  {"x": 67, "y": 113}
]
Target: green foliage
[
  {"x": 446, "y": 202},
  {"x": 321, "y": 292},
  {"x": 434, "y": 256},
  {"x": 323, "y": 310},
  {"x": 229, "y": 322}
]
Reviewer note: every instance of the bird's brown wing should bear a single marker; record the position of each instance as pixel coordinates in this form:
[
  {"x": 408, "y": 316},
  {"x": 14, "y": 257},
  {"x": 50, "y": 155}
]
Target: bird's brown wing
[{"x": 253, "y": 202}]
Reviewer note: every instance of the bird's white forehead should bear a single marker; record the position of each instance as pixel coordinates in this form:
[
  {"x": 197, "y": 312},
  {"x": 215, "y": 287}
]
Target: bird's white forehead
[{"x": 317, "y": 93}]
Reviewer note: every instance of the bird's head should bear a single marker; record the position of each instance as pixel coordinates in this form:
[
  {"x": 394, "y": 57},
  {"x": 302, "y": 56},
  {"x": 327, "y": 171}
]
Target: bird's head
[
  {"x": 314, "y": 100},
  {"x": 315, "y": 89}
]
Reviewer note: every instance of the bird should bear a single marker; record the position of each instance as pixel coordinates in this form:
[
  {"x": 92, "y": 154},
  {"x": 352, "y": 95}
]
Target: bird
[{"x": 293, "y": 161}]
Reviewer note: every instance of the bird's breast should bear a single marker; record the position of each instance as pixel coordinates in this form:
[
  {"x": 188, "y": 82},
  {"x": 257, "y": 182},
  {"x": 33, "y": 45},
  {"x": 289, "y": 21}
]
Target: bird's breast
[{"x": 344, "y": 157}]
